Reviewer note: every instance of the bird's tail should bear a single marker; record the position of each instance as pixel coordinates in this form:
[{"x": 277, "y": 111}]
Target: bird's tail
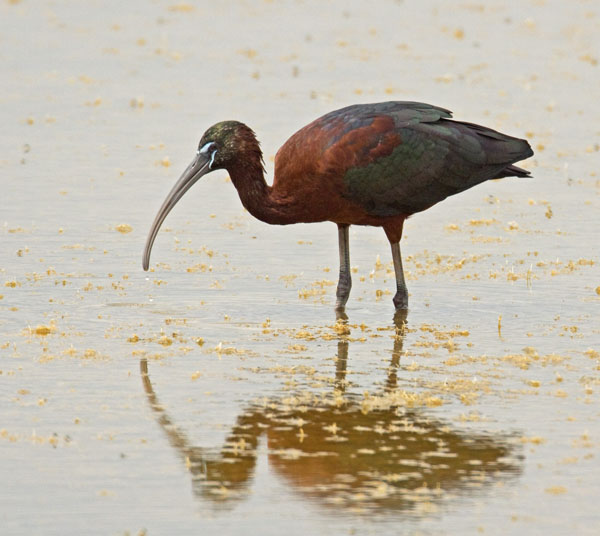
[{"x": 513, "y": 171}]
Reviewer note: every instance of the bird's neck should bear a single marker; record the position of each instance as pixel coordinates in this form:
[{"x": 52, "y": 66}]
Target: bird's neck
[{"x": 260, "y": 199}]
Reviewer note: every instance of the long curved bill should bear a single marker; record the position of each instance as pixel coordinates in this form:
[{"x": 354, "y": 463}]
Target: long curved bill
[{"x": 198, "y": 167}]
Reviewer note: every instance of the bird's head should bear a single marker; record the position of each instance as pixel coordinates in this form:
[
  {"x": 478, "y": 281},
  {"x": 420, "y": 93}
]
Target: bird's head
[
  {"x": 225, "y": 143},
  {"x": 221, "y": 147}
]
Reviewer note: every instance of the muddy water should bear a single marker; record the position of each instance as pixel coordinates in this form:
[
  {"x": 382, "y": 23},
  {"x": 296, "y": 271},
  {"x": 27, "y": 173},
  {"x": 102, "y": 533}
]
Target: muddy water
[{"x": 218, "y": 393}]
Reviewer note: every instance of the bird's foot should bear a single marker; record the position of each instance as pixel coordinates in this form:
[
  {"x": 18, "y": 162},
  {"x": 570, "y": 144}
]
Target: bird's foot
[
  {"x": 340, "y": 305},
  {"x": 401, "y": 300},
  {"x": 340, "y": 314}
]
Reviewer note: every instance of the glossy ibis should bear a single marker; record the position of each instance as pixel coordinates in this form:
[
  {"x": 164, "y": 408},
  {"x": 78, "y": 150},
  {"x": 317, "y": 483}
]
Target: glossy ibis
[{"x": 366, "y": 164}]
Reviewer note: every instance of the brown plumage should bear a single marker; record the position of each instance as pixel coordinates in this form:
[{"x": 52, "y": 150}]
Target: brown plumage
[{"x": 371, "y": 164}]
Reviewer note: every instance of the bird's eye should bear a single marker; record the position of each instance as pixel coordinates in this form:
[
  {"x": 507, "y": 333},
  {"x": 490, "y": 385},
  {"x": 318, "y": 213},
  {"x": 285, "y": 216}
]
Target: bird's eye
[{"x": 207, "y": 148}]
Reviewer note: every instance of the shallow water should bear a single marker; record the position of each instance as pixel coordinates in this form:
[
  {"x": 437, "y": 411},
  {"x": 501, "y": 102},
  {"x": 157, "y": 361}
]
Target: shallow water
[{"x": 218, "y": 393}]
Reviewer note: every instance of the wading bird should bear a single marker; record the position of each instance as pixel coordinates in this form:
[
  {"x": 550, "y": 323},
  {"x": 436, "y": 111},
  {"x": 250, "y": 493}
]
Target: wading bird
[{"x": 366, "y": 164}]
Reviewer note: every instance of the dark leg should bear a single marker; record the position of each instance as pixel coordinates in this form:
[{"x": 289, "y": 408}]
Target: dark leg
[
  {"x": 345, "y": 281},
  {"x": 401, "y": 297}
]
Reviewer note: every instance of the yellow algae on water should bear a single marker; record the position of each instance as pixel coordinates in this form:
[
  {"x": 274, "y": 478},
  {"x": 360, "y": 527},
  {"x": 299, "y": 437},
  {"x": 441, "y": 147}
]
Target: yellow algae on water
[
  {"x": 483, "y": 222},
  {"x": 589, "y": 59},
  {"x": 165, "y": 341},
  {"x": 182, "y": 8},
  {"x": 341, "y": 328},
  {"x": 44, "y": 330},
  {"x": 556, "y": 490},
  {"x": 137, "y": 102},
  {"x": 199, "y": 268},
  {"x": 530, "y": 351},
  {"x": 227, "y": 350},
  {"x": 69, "y": 351},
  {"x": 124, "y": 228},
  {"x": 535, "y": 440}
]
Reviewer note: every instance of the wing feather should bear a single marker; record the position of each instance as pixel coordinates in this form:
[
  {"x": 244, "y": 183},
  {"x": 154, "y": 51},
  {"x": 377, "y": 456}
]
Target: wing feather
[{"x": 431, "y": 158}]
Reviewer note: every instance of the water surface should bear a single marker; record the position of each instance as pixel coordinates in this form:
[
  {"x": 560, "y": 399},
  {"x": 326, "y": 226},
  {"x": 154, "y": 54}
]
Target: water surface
[{"x": 219, "y": 393}]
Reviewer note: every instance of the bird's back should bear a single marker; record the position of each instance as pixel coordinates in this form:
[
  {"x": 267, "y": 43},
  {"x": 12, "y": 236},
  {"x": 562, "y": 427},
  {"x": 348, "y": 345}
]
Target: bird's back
[{"x": 395, "y": 158}]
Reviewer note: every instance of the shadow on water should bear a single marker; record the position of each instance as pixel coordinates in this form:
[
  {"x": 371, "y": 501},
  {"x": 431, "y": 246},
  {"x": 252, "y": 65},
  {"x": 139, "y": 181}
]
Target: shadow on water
[{"x": 343, "y": 450}]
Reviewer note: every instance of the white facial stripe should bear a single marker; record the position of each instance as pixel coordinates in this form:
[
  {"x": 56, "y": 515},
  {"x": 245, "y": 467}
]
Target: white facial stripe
[
  {"x": 212, "y": 159},
  {"x": 205, "y": 148}
]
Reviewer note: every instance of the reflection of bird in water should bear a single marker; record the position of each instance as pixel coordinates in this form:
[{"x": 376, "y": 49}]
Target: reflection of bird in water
[
  {"x": 340, "y": 451},
  {"x": 368, "y": 164}
]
